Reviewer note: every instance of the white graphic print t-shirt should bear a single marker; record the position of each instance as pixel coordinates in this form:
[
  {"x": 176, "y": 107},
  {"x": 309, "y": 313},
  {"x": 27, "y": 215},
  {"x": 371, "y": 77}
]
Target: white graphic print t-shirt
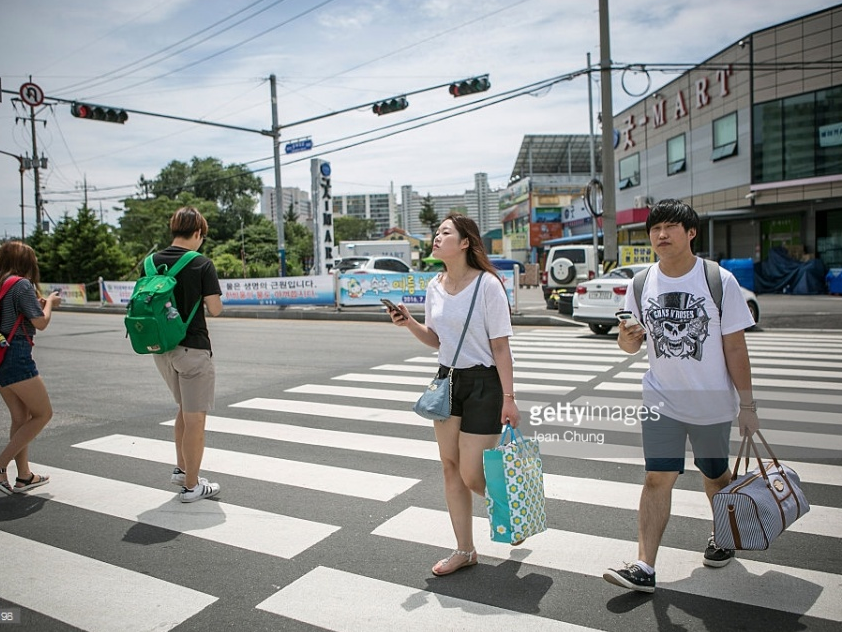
[{"x": 687, "y": 378}]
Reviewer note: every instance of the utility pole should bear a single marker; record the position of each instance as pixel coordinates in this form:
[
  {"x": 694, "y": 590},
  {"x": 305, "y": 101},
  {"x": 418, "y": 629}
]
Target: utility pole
[
  {"x": 22, "y": 168},
  {"x": 279, "y": 195},
  {"x": 609, "y": 202},
  {"x": 591, "y": 142},
  {"x": 35, "y": 168}
]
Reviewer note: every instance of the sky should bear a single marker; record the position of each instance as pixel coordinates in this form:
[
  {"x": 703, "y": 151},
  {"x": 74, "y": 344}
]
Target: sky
[{"x": 210, "y": 60}]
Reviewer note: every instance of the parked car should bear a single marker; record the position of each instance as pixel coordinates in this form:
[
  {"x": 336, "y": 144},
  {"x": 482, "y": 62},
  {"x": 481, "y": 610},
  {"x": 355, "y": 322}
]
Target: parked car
[
  {"x": 370, "y": 265},
  {"x": 431, "y": 264},
  {"x": 595, "y": 302},
  {"x": 564, "y": 268}
]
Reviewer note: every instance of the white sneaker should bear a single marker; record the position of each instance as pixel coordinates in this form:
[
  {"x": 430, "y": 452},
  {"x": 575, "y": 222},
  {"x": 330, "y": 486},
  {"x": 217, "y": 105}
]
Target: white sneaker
[
  {"x": 178, "y": 476},
  {"x": 204, "y": 489}
]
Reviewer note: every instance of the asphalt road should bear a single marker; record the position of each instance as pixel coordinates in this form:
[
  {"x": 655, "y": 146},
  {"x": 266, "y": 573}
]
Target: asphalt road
[{"x": 299, "y": 394}]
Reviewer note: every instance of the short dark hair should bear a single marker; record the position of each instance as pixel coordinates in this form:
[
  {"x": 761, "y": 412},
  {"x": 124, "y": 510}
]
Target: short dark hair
[
  {"x": 186, "y": 221},
  {"x": 670, "y": 210}
]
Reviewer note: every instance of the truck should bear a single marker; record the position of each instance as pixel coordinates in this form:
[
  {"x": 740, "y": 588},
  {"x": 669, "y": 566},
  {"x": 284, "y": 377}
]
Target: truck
[{"x": 399, "y": 248}]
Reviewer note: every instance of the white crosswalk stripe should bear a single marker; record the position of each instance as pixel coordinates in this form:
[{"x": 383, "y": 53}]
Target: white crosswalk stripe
[{"x": 364, "y": 415}]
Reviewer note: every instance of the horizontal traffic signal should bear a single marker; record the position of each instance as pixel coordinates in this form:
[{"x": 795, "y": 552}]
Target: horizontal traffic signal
[
  {"x": 470, "y": 86},
  {"x": 390, "y": 105},
  {"x": 98, "y": 113}
]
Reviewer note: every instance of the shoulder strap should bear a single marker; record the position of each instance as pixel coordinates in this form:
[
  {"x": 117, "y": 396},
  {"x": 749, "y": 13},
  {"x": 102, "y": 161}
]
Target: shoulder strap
[
  {"x": 637, "y": 285},
  {"x": 149, "y": 264},
  {"x": 7, "y": 285},
  {"x": 467, "y": 320},
  {"x": 714, "y": 281}
]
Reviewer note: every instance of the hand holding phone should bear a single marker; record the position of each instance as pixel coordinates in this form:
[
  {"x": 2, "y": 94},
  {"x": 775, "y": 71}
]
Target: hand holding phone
[
  {"x": 389, "y": 305},
  {"x": 628, "y": 318}
]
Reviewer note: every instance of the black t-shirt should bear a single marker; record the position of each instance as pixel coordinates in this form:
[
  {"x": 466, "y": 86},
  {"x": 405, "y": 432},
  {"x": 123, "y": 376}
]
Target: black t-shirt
[{"x": 195, "y": 281}]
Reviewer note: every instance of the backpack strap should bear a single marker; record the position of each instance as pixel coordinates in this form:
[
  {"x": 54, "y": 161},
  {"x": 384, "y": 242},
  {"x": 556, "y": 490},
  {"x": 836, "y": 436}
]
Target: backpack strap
[
  {"x": 637, "y": 285},
  {"x": 149, "y": 264},
  {"x": 7, "y": 285},
  {"x": 714, "y": 281},
  {"x": 712, "y": 277}
]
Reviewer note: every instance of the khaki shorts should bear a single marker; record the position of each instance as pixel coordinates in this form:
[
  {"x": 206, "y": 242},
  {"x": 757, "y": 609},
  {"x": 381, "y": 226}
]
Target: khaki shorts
[{"x": 190, "y": 376}]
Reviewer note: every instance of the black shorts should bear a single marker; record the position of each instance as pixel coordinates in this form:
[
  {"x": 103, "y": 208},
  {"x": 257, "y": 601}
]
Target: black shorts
[{"x": 477, "y": 398}]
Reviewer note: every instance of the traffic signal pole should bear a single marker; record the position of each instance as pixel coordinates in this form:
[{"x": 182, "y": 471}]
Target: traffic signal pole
[
  {"x": 279, "y": 193},
  {"x": 609, "y": 200}
]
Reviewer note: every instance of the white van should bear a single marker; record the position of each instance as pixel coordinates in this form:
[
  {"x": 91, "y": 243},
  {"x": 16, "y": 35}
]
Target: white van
[{"x": 564, "y": 268}]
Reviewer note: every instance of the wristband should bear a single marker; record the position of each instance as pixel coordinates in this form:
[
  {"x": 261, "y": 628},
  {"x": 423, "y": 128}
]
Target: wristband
[
  {"x": 512, "y": 395},
  {"x": 752, "y": 406}
]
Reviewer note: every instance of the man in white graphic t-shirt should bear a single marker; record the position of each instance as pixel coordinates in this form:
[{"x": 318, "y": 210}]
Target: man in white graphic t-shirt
[{"x": 698, "y": 382}]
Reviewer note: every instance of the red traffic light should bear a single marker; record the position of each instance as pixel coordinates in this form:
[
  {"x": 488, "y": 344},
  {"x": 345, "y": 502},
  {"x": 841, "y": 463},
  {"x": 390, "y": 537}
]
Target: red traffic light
[
  {"x": 390, "y": 105},
  {"x": 470, "y": 86},
  {"x": 98, "y": 113}
]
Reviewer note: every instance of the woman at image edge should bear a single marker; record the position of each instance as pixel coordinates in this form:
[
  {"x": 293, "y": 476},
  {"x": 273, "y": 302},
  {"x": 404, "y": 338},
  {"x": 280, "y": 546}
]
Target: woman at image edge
[
  {"x": 22, "y": 388},
  {"x": 483, "y": 386}
]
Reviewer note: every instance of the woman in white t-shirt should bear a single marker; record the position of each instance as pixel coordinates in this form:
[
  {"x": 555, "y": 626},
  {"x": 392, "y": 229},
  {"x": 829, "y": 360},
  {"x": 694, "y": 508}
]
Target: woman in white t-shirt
[{"x": 483, "y": 385}]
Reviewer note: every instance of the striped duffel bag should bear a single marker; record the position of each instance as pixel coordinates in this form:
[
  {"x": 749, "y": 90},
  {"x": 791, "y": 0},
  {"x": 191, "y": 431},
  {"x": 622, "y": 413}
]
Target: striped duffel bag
[{"x": 754, "y": 509}]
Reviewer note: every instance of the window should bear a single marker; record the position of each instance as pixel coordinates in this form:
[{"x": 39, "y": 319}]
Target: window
[
  {"x": 724, "y": 137},
  {"x": 630, "y": 172},
  {"x": 676, "y": 155}
]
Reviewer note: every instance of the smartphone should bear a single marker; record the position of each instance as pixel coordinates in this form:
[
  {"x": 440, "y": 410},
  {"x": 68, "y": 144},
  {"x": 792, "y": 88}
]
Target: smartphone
[
  {"x": 390, "y": 305},
  {"x": 628, "y": 318}
]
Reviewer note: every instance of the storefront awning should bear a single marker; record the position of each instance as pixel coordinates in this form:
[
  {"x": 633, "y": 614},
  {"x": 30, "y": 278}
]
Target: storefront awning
[{"x": 571, "y": 239}]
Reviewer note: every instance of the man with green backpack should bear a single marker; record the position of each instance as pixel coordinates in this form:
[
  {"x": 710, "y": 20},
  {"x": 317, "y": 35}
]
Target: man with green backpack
[{"x": 166, "y": 319}]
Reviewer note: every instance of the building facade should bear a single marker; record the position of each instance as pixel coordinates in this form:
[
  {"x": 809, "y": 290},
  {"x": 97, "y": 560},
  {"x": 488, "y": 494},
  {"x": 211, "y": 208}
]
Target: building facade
[
  {"x": 543, "y": 205},
  {"x": 293, "y": 197},
  {"x": 751, "y": 138},
  {"x": 480, "y": 204},
  {"x": 379, "y": 207}
]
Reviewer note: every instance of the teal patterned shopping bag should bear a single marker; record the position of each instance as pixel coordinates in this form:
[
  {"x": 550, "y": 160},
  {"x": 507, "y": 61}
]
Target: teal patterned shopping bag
[{"x": 514, "y": 488}]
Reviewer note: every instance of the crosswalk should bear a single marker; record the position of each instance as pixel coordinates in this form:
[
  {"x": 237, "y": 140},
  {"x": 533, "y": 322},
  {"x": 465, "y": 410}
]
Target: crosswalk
[{"x": 352, "y": 516}]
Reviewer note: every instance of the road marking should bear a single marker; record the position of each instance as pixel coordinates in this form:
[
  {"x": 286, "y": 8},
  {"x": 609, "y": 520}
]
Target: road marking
[
  {"x": 761, "y": 584},
  {"x": 335, "y": 411},
  {"x": 755, "y": 370},
  {"x": 424, "y": 381},
  {"x": 69, "y": 587},
  {"x": 377, "y": 444},
  {"x": 557, "y": 376},
  {"x": 402, "y": 396},
  {"x": 325, "y": 478},
  {"x": 759, "y": 395},
  {"x": 345, "y": 602}
]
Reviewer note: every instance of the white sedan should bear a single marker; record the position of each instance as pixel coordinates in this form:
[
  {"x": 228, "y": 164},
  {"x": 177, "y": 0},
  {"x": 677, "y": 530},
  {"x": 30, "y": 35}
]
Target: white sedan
[{"x": 595, "y": 302}]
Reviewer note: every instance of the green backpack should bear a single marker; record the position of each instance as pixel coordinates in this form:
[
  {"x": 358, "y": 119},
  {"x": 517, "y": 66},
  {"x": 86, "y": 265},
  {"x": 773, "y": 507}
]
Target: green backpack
[{"x": 153, "y": 323}]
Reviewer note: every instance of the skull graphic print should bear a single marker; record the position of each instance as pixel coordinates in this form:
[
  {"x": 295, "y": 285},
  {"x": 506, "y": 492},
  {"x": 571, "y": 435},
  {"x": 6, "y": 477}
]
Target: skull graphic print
[{"x": 678, "y": 323}]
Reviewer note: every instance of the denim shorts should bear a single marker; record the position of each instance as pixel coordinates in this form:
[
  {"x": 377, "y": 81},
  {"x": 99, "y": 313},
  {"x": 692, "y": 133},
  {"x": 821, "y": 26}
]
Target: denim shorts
[
  {"x": 18, "y": 364},
  {"x": 477, "y": 399},
  {"x": 664, "y": 445}
]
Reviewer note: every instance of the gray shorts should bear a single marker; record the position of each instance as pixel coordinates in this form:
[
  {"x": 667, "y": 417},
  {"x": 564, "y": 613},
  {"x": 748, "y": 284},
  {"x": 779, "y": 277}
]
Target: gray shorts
[{"x": 190, "y": 376}]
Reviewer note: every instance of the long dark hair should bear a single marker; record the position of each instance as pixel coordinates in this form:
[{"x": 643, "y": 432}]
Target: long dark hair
[
  {"x": 19, "y": 259},
  {"x": 476, "y": 255}
]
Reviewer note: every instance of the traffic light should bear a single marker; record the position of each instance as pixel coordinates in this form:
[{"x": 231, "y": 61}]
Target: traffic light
[
  {"x": 390, "y": 105},
  {"x": 470, "y": 86},
  {"x": 98, "y": 113}
]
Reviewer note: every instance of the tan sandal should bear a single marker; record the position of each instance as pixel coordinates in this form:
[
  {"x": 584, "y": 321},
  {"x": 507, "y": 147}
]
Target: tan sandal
[{"x": 470, "y": 560}]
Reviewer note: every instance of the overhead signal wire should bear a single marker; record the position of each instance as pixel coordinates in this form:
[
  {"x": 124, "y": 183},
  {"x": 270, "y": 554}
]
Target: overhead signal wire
[
  {"x": 87, "y": 83},
  {"x": 224, "y": 50}
]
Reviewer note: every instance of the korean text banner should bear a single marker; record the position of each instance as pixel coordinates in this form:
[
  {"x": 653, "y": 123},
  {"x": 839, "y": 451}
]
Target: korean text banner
[
  {"x": 408, "y": 288},
  {"x": 303, "y": 290}
]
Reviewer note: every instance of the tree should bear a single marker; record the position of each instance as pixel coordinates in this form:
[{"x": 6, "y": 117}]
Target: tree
[
  {"x": 145, "y": 224},
  {"x": 428, "y": 216},
  {"x": 82, "y": 250},
  {"x": 350, "y": 228},
  {"x": 299, "y": 245},
  {"x": 233, "y": 188},
  {"x": 261, "y": 250}
]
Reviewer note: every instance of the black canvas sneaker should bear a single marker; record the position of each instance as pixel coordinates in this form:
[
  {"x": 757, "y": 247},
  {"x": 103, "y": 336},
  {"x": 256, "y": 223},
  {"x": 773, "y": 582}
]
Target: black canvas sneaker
[
  {"x": 632, "y": 577},
  {"x": 716, "y": 556}
]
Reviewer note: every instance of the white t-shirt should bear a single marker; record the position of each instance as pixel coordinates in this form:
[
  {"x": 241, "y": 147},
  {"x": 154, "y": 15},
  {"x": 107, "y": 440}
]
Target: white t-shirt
[
  {"x": 446, "y": 314},
  {"x": 687, "y": 378}
]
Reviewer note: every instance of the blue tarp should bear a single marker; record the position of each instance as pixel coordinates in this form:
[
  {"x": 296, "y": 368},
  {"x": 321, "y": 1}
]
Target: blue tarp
[{"x": 781, "y": 274}]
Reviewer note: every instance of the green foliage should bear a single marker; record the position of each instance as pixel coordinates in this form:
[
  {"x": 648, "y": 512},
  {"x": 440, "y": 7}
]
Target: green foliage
[
  {"x": 428, "y": 216},
  {"x": 80, "y": 250},
  {"x": 349, "y": 228},
  {"x": 234, "y": 189},
  {"x": 299, "y": 246},
  {"x": 261, "y": 251}
]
